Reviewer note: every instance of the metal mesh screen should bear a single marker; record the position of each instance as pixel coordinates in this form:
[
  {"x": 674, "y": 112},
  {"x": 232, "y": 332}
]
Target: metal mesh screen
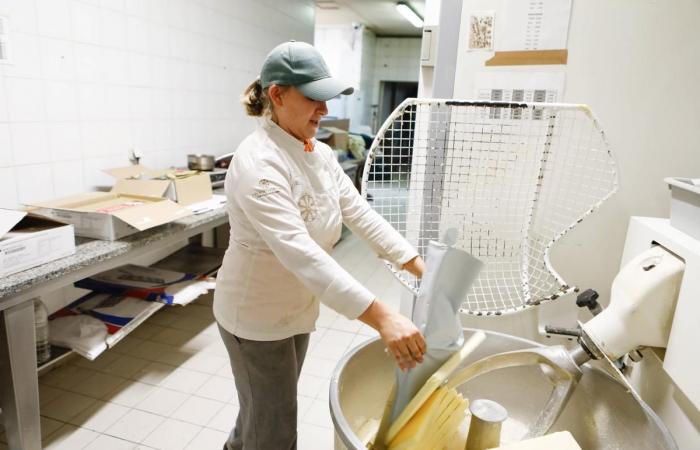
[{"x": 510, "y": 178}]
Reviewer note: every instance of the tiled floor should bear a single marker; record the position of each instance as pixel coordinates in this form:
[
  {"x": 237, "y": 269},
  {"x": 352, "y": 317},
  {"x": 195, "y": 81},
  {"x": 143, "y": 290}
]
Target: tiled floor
[{"x": 168, "y": 385}]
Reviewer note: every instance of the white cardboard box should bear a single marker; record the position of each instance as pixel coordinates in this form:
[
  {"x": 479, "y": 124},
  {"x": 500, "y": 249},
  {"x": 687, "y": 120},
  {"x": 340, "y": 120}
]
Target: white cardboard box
[
  {"x": 685, "y": 205},
  {"x": 27, "y": 241},
  {"x": 111, "y": 215},
  {"x": 185, "y": 188}
]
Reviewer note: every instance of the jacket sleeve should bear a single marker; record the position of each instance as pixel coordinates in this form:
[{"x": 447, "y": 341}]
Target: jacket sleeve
[
  {"x": 265, "y": 196},
  {"x": 369, "y": 225}
]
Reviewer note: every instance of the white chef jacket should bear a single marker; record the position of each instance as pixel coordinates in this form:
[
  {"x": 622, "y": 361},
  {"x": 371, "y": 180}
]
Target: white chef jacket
[{"x": 286, "y": 208}]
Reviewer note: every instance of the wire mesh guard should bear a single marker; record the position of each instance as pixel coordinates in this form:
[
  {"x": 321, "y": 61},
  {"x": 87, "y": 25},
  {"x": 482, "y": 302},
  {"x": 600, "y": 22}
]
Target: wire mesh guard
[{"x": 511, "y": 178}]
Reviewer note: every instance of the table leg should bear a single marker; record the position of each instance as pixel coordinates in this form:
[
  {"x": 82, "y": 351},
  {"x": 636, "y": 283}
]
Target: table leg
[{"x": 19, "y": 389}]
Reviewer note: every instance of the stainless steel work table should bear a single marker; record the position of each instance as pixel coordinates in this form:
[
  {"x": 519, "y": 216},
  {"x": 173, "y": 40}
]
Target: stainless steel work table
[{"x": 19, "y": 393}]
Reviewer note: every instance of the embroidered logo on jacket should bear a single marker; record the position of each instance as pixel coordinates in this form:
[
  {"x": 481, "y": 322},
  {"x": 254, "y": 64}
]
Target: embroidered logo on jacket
[
  {"x": 265, "y": 188},
  {"x": 308, "y": 208}
]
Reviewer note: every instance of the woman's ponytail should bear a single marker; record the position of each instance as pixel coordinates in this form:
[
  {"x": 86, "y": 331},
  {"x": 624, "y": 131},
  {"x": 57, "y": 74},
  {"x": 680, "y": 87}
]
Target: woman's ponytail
[{"x": 255, "y": 99}]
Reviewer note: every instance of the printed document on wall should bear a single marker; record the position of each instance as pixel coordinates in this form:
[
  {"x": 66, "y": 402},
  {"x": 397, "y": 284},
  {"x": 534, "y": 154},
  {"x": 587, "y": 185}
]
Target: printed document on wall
[{"x": 535, "y": 25}]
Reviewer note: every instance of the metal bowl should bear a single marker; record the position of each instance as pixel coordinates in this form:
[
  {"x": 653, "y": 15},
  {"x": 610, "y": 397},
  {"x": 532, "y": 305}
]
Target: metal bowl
[
  {"x": 200, "y": 162},
  {"x": 601, "y": 414}
]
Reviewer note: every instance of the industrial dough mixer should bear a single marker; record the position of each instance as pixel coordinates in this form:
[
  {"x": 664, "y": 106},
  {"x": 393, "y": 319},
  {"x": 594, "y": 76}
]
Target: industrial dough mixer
[{"x": 513, "y": 179}]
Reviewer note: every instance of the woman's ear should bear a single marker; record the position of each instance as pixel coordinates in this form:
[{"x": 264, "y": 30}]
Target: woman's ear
[{"x": 275, "y": 95}]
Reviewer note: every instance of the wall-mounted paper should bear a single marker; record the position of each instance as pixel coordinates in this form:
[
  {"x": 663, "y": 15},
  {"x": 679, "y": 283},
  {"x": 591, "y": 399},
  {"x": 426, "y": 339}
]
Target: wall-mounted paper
[
  {"x": 481, "y": 30},
  {"x": 535, "y": 25},
  {"x": 518, "y": 86}
]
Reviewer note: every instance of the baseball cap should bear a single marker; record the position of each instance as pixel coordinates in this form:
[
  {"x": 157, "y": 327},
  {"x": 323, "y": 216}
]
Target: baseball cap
[{"x": 300, "y": 65}]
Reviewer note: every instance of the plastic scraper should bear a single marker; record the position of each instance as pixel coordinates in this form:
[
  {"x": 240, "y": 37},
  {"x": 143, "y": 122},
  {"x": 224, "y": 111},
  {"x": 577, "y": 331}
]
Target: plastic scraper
[{"x": 449, "y": 277}]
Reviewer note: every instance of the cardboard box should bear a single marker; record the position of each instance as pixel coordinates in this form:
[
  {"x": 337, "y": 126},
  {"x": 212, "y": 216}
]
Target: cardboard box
[
  {"x": 183, "y": 186},
  {"x": 111, "y": 215},
  {"x": 343, "y": 124},
  {"x": 338, "y": 138},
  {"x": 27, "y": 241}
]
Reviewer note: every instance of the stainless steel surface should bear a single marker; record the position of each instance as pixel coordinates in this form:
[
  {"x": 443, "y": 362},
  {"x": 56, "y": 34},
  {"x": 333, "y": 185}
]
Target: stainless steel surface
[
  {"x": 200, "y": 162},
  {"x": 485, "y": 425},
  {"x": 600, "y": 413},
  {"x": 556, "y": 365},
  {"x": 19, "y": 389}
]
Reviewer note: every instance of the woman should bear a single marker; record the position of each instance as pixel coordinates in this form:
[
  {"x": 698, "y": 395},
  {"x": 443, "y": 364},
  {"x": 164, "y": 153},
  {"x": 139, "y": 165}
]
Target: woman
[{"x": 287, "y": 200}]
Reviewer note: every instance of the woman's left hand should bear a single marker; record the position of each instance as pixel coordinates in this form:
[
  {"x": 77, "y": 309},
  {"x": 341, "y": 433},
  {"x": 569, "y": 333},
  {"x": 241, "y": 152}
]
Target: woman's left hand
[{"x": 416, "y": 266}]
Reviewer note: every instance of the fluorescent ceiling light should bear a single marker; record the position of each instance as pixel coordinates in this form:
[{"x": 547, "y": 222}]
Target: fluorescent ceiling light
[{"x": 409, "y": 14}]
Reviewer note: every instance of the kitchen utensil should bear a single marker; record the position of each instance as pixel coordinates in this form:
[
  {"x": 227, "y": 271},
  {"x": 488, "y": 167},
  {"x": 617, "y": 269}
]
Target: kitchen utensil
[{"x": 200, "y": 162}]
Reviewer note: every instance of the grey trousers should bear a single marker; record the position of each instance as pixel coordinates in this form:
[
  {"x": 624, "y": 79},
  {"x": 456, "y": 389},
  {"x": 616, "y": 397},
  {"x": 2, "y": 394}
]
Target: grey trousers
[{"x": 266, "y": 375}]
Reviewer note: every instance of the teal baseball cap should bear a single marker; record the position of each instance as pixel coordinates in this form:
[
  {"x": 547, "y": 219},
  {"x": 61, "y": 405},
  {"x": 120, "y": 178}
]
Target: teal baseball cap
[{"x": 300, "y": 65}]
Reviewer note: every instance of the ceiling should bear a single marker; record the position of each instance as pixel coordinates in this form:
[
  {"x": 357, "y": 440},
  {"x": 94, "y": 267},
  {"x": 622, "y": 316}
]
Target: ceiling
[{"x": 380, "y": 16}]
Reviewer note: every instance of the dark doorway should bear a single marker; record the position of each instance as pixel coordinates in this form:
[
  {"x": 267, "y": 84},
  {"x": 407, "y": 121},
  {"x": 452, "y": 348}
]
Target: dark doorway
[{"x": 392, "y": 93}]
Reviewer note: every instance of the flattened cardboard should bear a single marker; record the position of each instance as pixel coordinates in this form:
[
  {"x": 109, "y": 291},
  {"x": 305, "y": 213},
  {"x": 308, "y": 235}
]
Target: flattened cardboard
[
  {"x": 27, "y": 241},
  {"x": 98, "y": 214}
]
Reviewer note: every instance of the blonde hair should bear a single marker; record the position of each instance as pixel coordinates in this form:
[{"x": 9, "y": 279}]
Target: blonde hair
[{"x": 255, "y": 100}]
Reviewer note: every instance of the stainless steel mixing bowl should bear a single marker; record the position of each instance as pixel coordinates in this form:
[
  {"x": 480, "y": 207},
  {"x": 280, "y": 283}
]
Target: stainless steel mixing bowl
[{"x": 601, "y": 414}]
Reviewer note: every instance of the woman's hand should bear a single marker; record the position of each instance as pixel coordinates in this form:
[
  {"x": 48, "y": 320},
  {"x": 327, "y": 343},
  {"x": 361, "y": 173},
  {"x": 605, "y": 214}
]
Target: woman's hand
[
  {"x": 402, "y": 338},
  {"x": 416, "y": 266}
]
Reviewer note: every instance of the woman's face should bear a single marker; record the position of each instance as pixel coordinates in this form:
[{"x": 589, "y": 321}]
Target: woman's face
[{"x": 295, "y": 113}]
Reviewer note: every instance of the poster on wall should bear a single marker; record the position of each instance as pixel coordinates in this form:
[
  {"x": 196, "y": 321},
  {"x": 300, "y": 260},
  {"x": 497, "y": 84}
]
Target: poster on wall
[
  {"x": 535, "y": 25},
  {"x": 481, "y": 30}
]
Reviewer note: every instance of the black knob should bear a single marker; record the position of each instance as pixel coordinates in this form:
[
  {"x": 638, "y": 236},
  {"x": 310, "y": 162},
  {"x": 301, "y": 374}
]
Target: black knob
[{"x": 589, "y": 299}]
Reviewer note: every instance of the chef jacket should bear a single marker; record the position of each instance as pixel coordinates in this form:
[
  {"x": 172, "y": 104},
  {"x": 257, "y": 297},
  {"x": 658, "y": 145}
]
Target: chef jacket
[{"x": 286, "y": 208}]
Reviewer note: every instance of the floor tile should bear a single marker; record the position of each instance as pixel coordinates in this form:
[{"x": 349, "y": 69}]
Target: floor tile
[
  {"x": 129, "y": 394},
  {"x": 98, "y": 363},
  {"x": 48, "y": 393},
  {"x": 225, "y": 419},
  {"x": 172, "y": 435},
  {"x": 172, "y": 337},
  {"x": 69, "y": 437},
  {"x": 303, "y": 405},
  {"x": 339, "y": 338},
  {"x": 146, "y": 330},
  {"x": 206, "y": 363},
  {"x": 99, "y": 416},
  {"x": 318, "y": 366},
  {"x": 185, "y": 380},
  {"x": 219, "y": 388},
  {"x": 49, "y": 426},
  {"x": 197, "y": 410},
  {"x": 153, "y": 373},
  {"x": 66, "y": 406},
  {"x": 65, "y": 377},
  {"x": 312, "y": 437},
  {"x": 126, "y": 366},
  {"x": 135, "y": 425},
  {"x": 319, "y": 414},
  {"x": 309, "y": 385},
  {"x": 162, "y": 401},
  {"x": 208, "y": 439},
  {"x": 106, "y": 442},
  {"x": 98, "y": 385}
]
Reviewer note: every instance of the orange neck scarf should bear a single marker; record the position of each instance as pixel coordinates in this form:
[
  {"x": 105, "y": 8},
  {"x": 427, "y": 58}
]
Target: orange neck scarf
[{"x": 308, "y": 145}]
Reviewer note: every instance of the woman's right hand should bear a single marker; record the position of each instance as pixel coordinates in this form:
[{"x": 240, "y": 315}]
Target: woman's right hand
[{"x": 402, "y": 338}]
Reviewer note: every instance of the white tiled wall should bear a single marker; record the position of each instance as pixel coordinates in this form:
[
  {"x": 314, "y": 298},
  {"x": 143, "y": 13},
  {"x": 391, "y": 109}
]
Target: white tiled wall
[
  {"x": 397, "y": 59},
  {"x": 91, "y": 79}
]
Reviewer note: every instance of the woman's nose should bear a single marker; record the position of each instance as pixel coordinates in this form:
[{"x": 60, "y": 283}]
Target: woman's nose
[{"x": 323, "y": 108}]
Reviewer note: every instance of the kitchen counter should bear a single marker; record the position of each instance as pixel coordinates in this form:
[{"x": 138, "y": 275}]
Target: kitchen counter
[
  {"x": 89, "y": 252},
  {"x": 19, "y": 393}
]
